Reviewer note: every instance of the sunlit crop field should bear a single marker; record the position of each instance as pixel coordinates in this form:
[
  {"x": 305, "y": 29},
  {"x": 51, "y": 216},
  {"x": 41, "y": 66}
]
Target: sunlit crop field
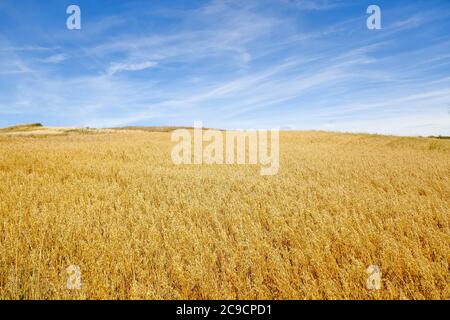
[{"x": 140, "y": 227}]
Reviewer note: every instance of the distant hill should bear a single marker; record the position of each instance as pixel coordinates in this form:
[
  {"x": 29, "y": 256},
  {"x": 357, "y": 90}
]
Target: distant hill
[
  {"x": 156, "y": 128},
  {"x": 22, "y": 127},
  {"x": 151, "y": 128}
]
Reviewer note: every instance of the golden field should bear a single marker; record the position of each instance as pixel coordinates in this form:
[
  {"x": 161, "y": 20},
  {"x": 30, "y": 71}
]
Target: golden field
[{"x": 140, "y": 227}]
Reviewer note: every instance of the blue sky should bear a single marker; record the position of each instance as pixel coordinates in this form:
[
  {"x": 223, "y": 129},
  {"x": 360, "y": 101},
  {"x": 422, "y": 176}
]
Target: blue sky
[{"x": 300, "y": 64}]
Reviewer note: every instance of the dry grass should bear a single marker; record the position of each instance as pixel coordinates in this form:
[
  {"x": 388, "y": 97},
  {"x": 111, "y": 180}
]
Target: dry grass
[{"x": 140, "y": 227}]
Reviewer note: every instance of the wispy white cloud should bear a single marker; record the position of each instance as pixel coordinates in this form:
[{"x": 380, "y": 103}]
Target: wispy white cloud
[
  {"x": 56, "y": 58},
  {"x": 315, "y": 4},
  {"x": 232, "y": 29},
  {"x": 25, "y": 48},
  {"x": 116, "y": 67},
  {"x": 410, "y": 22}
]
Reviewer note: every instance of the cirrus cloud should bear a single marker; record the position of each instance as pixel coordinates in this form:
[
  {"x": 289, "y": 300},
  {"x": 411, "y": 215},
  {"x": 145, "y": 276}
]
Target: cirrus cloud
[{"x": 117, "y": 67}]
